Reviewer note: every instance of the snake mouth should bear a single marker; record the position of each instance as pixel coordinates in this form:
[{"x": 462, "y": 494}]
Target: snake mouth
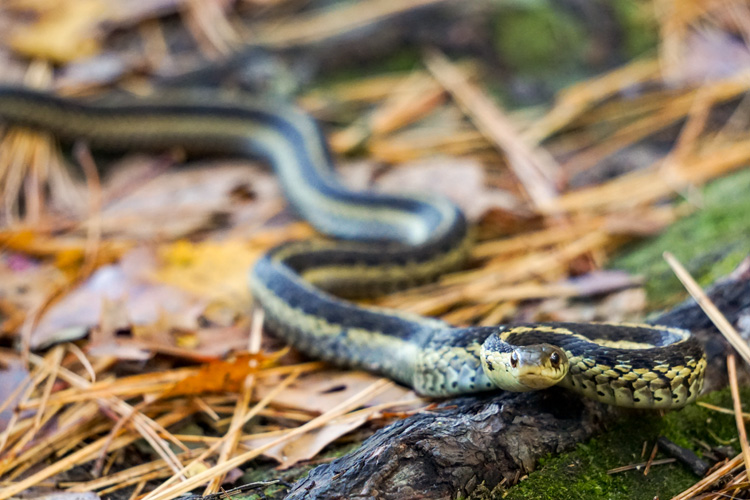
[{"x": 539, "y": 380}]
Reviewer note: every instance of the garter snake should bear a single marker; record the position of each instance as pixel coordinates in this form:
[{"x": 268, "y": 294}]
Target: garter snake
[{"x": 389, "y": 242}]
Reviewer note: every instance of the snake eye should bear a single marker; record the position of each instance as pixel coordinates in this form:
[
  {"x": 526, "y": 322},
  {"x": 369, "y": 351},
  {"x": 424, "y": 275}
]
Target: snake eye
[
  {"x": 554, "y": 358},
  {"x": 514, "y": 359}
]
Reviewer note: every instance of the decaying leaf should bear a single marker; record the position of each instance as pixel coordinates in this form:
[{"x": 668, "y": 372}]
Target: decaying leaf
[
  {"x": 13, "y": 373},
  {"x": 66, "y": 30},
  {"x": 224, "y": 376},
  {"x": 184, "y": 201},
  {"x": 319, "y": 392},
  {"x": 308, "y": 445},
  {"x": 126, "y": 283},
  {"x": 462, "y": 181}
]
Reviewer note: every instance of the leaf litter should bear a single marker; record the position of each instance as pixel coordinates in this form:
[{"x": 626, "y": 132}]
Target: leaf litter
[{"x": 153, "y": 276}]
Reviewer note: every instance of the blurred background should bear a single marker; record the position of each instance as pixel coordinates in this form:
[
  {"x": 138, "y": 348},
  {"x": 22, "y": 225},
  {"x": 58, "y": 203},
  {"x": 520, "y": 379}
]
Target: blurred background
[{"x": 582, "y": 137}]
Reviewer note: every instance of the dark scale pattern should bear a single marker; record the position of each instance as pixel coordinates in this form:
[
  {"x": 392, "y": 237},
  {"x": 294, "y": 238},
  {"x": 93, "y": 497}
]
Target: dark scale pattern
[{"x": 598, "y": 354}]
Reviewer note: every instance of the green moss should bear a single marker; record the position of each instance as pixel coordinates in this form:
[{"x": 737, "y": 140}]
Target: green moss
[
  {"x": 639, "y": 27},
  {"x": 538, "y": 37},
  {"x": 710, "y": 243},
  {"x": 402, "y": 60},
  {"x": 582, "y": 474}
]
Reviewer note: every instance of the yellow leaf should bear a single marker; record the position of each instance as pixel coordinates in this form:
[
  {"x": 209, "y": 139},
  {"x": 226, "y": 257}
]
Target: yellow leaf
[
  {"x": 63, "y": 30},
  {"x": 216, "y": 271}
]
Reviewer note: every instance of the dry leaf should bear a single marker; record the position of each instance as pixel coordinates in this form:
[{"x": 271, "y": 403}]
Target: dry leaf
[
  {"x": 215, "y": 271},
  {"x": 624, "y": 306},
  {"x": 308, "y": 445},
  {"x": 710, "y": 54},
  {"x": 101, "y": 69},
  {"x": 65, "y": 30},
  {"x": 66, "y": 495},
  {"x": 184, "y": 201},
  {"x": 62, "y": 31},
  {"x": 224, "y": 376},
  {"x": 143, "y": 302},
  {"x": 462, "y": 181},
  {"x": 604, "y": 281},
  {"x": 13, "y": 373},
  {"x": 25, "y": 283},
  {"x": 321, "y": 391}
]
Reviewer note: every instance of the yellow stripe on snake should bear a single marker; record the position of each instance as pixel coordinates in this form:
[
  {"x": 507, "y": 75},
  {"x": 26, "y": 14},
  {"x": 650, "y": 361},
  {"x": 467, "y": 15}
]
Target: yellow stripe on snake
[{"x": 390, "y": 242}]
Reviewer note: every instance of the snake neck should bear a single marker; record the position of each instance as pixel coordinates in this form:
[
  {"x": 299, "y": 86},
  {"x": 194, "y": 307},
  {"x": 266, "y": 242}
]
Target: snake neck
[
  {"x": 423, "y": 353},
  {"x": 449, "y": 362},
  {"x": 326, "y": 327}
]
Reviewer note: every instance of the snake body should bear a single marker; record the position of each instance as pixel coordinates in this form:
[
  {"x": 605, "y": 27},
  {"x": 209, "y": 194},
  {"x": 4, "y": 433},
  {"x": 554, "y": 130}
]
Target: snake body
[{"x": 389, "y": 242}]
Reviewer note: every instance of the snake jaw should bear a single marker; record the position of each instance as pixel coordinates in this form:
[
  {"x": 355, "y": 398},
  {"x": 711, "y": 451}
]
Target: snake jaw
[{"x": 523, "y": 368}]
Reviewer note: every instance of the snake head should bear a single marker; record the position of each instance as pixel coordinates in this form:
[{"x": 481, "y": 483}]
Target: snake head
[{"x": 522, "y": 368}]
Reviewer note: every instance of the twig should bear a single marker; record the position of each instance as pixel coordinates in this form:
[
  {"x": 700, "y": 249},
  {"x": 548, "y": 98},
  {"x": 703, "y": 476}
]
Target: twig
[
  {"x": 83, "y": 155},
  {"x": 232, "y": 437},
  {"x": 719, "y": 409},
  {"x": 707, "y": 481},
  {"x": 200, "y": 478},
  {"x": 624, "y": 468},
  {"x": 724, "y": 326},
  {"x": 234, "y": 427},
  {"x": 650, "y": 461},
  {"x": 537, "y": 171},
  {"x": 734, "y": 387},
  {"x": 684, "y": 455},
  {"x": 326, "y": 23}
]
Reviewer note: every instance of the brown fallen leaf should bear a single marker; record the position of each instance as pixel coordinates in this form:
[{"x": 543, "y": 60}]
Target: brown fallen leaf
[
  {"x": 462, "y": 181},
  {"x": 623, "y": 306},
  {"x": 65, "y": 30},
  {"x": 24, "y": 284},
  {"x": 327, "y": 386},
  {"x": 67, "y": 495},
  {"x": 308, "y": 445},
  {"x": 602, "y": 281},
  {"x": 213, "y": 270},
  {"x": 102, "y": 69},
  {"x": 126, "y": 283},
  {"x": 224, "y": 376},
  {"x": 13, "y": 374},
  {"x": 321, "y": 391},
  {"x": 183, "y": 201}
]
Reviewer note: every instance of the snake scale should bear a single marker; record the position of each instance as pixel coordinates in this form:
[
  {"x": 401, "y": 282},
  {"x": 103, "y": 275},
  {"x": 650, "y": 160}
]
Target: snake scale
[{"x": 386, "y": 242}]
